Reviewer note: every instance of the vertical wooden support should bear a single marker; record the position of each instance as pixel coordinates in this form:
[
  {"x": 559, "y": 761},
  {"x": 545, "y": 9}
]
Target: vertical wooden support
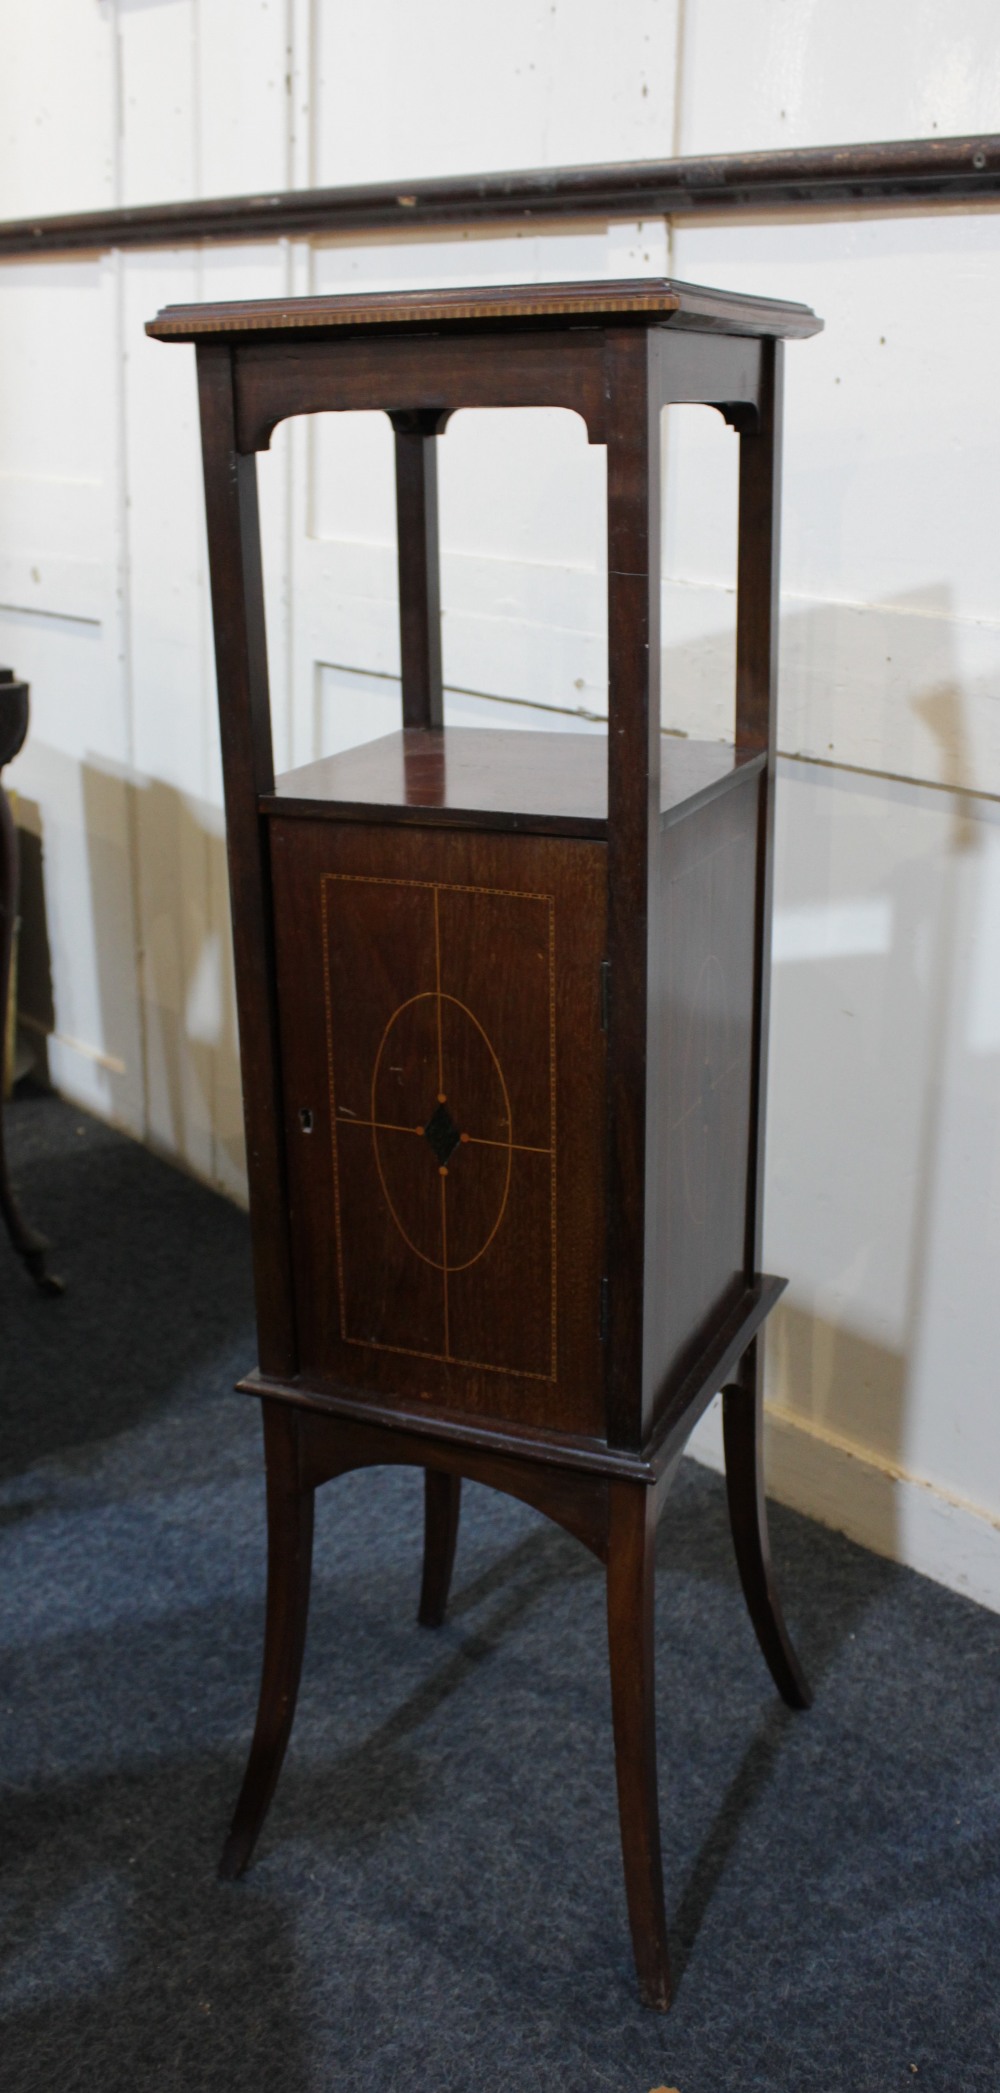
[
  {"x": 290, "y": 1507},
  {"x": 419, "y": 557},
  {"x": 756, "y": 706},
  {"x": 757, "y": 616},
  {"x": 419, "y": 567},
  {"x": 248, "y": 771},
  {"x": 633, "y": 448},
  {"x": 631, "y": 1541},
  {"x": 743, "y": 1422},
  {"x": 442, "y": 1504}
]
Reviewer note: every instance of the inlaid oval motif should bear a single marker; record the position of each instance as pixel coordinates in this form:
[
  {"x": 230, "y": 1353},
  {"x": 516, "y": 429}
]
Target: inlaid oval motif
[{"x": 436, "y": 1075}]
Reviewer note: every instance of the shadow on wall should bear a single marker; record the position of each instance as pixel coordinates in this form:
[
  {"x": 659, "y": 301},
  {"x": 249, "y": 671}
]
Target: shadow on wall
[
  {"x": 879, "y": 887},
  {"x": 831, "y": 1375},
  {"x": 169, "y": 956},
  {"x": 869, "y": 980}
]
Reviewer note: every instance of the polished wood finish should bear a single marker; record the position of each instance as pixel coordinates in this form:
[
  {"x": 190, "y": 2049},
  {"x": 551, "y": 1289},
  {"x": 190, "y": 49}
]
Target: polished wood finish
[
  {"x": 631, "y": 1583},
  {"x": 290, "y": 1516},
  {"x": 701, "y": 1068},
  {"x": 442, "y": 1504},
  {"x": 337, "y": 1435},
  {"x": 413, "y": 373},
  {"x": 424, "y": 981},
  {"x": 28, "y": 1244},
  {"x": 419, "y": 568},
  {"x": 248, "y": 772},
  {"x": 756, "y": 721},
  {"x": 743, "y": 1431},
  {"x": 503, "y": 1000},
  {"x": 633, "y": 840},
  {"x": 418, "y": 373},
  {"x": 530, "y": 783},
  {"x": 540, "y": 1444},
  {"x": 887, "y": 174},
  {"x": 642, "y": 298}
]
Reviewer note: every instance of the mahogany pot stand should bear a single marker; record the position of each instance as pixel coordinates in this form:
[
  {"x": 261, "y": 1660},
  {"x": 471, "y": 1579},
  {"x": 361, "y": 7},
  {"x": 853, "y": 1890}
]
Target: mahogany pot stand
[{"x": 503, "y": 999}]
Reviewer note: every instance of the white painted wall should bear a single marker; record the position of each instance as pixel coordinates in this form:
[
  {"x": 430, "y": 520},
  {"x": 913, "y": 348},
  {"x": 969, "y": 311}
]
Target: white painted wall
[{"x": 884, "y": 1179}]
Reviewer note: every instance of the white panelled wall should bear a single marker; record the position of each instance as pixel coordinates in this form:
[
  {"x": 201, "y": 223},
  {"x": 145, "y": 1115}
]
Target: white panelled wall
[{"x": 884, "y": 1152}]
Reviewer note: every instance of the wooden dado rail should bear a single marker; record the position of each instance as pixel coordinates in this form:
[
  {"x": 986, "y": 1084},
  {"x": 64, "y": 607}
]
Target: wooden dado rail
[{"x": 897, "y": 174}]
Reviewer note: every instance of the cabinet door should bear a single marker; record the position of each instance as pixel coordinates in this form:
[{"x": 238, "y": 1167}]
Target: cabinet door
[{"x": 443, "y": 1067}]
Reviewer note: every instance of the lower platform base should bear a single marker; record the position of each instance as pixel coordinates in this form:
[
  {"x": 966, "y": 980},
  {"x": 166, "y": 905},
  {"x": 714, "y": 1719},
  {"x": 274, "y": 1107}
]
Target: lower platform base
[{"x": 612, "y": 1511}]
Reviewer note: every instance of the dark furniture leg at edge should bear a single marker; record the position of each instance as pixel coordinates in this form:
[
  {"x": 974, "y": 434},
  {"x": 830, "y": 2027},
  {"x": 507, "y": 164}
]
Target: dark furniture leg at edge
[
  {"x": 13, "y": 728},
  {"x": 743, "y": 1435}
]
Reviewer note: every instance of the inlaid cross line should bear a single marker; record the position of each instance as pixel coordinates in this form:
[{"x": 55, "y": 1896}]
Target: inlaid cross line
[
  {"x": 524, "y": 1148},
  {"x": 388, "y": 1126}
]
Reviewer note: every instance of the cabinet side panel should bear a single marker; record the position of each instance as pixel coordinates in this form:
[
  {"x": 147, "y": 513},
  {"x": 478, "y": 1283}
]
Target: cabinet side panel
[
  {"x": 701, "y": 1041},
  {"x": 441, "y": 1036}
]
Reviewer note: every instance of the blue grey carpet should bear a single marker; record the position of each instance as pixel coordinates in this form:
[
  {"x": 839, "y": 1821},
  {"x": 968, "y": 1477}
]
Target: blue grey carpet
[{"x": 437, "y": 1900}]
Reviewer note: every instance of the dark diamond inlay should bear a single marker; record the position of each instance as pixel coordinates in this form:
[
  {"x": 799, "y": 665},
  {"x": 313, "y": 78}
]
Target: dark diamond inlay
[{"x": 442, "y": 1133}]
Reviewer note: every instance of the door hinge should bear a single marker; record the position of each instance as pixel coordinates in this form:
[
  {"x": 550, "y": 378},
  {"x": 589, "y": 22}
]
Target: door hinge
[
  {"x": 605, "y": 992},
  {"x": 603, "y": 1312}
]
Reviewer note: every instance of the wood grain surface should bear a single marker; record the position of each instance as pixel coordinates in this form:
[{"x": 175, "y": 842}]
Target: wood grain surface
[
  {"x": 440, "y": 1000},
  {"x": 701, "y": 1020},
  {"x": 644, "y": 298},
  {"x": 548, "y": 784}
]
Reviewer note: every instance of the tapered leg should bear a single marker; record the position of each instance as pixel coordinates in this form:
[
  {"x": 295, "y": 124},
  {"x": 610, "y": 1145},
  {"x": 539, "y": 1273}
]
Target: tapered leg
[
  {"x": 289, "y": 1562},
  {"x": 742, "y": 1419},
  {"x": 26, "y": 1241},
  {"x": 632, "y": 1532},
  {"x": 442, "y": 1503}
]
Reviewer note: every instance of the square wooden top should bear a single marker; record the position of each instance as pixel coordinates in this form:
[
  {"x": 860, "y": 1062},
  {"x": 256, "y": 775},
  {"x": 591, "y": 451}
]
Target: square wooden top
[{"x": 646, "y": 301}]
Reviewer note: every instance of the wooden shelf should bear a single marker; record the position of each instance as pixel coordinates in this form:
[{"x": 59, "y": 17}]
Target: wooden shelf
[{"x": 496, "y": 777}]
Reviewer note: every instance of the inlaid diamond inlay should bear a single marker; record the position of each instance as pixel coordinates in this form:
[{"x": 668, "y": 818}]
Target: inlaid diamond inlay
[{"x": 442, "y": 1133}]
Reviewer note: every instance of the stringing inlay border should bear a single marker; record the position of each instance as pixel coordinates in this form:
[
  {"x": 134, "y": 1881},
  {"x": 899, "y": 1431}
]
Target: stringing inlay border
[{"x": 436, "y": 887}]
